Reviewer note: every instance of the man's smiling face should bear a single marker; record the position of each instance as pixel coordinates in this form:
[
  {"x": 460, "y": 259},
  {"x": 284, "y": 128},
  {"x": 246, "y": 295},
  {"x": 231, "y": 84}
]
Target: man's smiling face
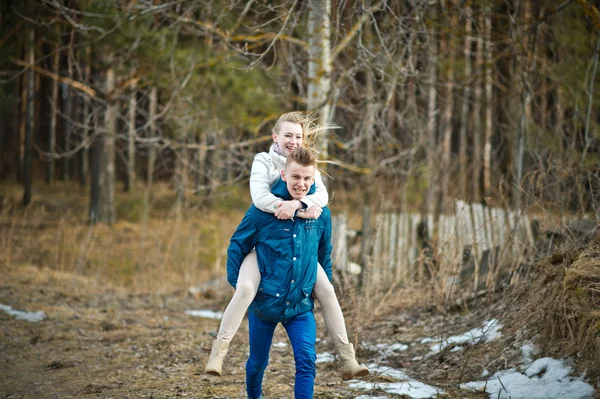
[{"x": 298, "y": 179}]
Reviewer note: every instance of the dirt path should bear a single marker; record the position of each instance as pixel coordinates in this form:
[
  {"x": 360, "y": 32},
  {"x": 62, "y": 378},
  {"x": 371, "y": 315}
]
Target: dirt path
[
  {"x": 99, "y": 342},
  {"x": 103, "y": 343}
]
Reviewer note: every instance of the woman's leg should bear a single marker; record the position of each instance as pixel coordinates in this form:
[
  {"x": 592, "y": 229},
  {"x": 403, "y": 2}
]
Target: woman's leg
[
  {"x": 332, "y": 312},
  {"x": 245, "y": 291},
  {"x": 334, "y": 322}
]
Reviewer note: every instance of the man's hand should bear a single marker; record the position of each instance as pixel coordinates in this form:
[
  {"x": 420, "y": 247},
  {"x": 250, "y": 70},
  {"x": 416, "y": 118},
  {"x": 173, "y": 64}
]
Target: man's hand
[
  {"x": 311, "y": 213},
  {"x": 286, "y": 209}
]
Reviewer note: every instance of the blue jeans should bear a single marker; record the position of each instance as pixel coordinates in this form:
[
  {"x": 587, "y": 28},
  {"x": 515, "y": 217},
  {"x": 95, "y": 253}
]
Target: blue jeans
[{"x": 302, "y": 331}]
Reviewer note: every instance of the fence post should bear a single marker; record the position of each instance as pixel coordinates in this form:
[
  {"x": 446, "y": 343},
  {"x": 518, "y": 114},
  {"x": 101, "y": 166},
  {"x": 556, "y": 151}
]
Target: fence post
[{"x": 365, "y": 248}]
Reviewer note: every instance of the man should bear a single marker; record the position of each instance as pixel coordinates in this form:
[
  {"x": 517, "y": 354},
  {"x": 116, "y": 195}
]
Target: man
[{"x": 287, "y": 252}]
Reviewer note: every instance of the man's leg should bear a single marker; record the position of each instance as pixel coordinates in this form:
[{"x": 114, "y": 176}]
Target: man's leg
[
  {"x": 261, "y": 336},
  {"x": 302, "y": 331}
]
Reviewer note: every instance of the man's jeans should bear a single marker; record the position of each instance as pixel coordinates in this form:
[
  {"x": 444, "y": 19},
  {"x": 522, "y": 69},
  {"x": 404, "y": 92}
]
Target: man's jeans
[{"x": 302, "y": 331}]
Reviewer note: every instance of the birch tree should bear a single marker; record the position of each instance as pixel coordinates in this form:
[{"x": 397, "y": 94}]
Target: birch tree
[{"x": 319, "y": 67}]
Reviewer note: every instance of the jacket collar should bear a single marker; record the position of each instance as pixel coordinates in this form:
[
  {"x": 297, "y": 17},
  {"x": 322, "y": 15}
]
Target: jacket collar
[{"x": 278, "y": 160}]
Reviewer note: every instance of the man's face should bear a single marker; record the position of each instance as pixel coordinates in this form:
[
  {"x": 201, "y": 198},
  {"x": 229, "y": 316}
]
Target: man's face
[{"x": 298, "y": 179}]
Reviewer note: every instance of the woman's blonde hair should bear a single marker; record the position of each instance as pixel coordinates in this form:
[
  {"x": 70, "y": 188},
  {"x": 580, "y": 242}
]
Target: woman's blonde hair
[{"x": 310, "y": 128}]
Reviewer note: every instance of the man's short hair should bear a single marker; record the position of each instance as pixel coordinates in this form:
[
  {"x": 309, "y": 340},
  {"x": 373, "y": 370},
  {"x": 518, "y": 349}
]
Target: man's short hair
[{"x": 302, "y": 156}]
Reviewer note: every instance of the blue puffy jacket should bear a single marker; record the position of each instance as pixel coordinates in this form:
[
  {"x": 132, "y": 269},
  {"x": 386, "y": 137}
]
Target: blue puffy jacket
[{"x": 287, "y": 252}]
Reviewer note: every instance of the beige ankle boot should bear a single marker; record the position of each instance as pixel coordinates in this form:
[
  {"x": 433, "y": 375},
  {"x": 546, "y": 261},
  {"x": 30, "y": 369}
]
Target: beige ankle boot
[
  {"x": 217, "y": 354},
  {"x": 350, "y": 367}
]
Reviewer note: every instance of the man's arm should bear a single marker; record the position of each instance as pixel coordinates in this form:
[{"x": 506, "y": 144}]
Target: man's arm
[
  {"x": 240, "y": 245},
  {"x": 325, "y": 247}
]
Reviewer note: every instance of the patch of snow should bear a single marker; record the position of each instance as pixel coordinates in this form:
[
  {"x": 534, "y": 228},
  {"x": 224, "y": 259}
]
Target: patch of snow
[
  {"x": 371, "y": 397},
  {"x": 207, "y": 314},
  {"x": 546, "y": 378},
  {"x": 489, "y": 332},
  {"x": 405, "y": 386},
  {"x": 429, "y": 340},
  {"x": 325, "y": 357},
  {"x": 485, "y": 373},
  {"x": 280, "y": 345},
  {"x": 528, "y": 350},
  {"x": 386, "y": 349},
  {"x": 32, "y": 317}
]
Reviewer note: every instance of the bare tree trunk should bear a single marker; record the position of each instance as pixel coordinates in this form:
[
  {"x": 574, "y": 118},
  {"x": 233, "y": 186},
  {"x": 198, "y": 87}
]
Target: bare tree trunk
[
  {"x": 30, "y": 118},
  {"x": 69, "y": 113},
  {"x": 54, "y": 115},
  {"x": 83, "y": 165},
  {"x": 464, "y": 116},
  {"x": 96, "y": 175},
  {"x": 110, "y": 123},
  {"x": 446, "y": 205},
  {"x": 590, "y": 95},
  {"x": 487, "y": 147},
  {"x": 131, "y": 141},
  {"x": 431, "y": 142},
  {"x": 525, "y": 108},
  {"x": 22, "y": 125},
  {"x": 181, "y": 176},
  {"x": 319, "y": 68},
  {"x": 151, "y": 154},
  {"x": 201, "y": 176}
]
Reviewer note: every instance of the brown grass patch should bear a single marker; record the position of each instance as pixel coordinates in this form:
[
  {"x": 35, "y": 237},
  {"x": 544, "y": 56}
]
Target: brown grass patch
[
  {"x": 174, "y": 250},
  {"x": 561, "y": 302}
]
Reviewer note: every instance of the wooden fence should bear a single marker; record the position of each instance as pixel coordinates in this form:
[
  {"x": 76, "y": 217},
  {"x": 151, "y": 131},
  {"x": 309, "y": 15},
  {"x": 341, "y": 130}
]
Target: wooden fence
[{"x": 472, "y": 247}]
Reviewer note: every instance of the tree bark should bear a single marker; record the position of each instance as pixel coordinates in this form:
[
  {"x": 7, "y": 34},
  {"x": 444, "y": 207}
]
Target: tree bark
[
  {"x": 151, "y": 154},
  {"x": 201, "y": 175},
  {"x": 431, "y": 142},
  {"x": 84, "y": 161},
  {"x": 131, "y": 142},
  {"x": 110, "y": 123},
  {"x": 464, "y": 115},
  {"x": 54, "y": 116},
  {"x": 96, "y": 180},
  {"x": 319, "y": 68},
  {"x": 23, "y": 122},
  {"x": 29, "y": 119},
  {"x": 69, "y": 102},
  {"x": 590, "y": 95},
  {"x": 487, "y": 146},
  {"x": 181, "y": 175},
  {"x": 446, "y": 203}
]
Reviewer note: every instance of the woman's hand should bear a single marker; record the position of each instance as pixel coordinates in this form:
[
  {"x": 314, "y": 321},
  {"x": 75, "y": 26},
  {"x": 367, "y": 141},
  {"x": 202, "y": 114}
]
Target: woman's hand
[
  {"x": 286, "y": 209},
  {"x": 311, "y": 213}
]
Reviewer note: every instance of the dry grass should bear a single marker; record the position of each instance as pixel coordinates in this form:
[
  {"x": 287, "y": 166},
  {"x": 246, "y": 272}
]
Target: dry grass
[
  {"x": 173, "y": 250},
  {"x": 561, "y": 302}
]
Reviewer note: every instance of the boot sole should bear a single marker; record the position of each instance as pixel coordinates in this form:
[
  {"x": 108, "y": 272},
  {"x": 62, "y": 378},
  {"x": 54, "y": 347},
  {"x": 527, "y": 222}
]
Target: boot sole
[
  {"x": 213, "y": 372},
  {"x": 361, "y": 373}
]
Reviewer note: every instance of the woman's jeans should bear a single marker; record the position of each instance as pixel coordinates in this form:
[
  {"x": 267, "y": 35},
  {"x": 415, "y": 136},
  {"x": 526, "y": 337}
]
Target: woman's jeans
[{"x": 302, "y": 332}]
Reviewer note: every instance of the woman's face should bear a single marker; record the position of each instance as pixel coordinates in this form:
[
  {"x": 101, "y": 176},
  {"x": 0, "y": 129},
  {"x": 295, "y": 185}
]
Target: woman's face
[{"x": 289, "y": 137}]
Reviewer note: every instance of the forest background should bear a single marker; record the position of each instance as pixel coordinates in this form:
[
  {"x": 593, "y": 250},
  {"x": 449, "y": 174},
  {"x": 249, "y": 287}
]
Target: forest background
[{"x": 145, "y": 115}]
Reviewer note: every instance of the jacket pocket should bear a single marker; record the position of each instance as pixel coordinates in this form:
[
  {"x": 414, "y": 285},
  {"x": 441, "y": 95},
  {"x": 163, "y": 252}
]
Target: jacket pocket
[
  {"x": 306, "y": 291},
  {"x": 269, "y": 289}
]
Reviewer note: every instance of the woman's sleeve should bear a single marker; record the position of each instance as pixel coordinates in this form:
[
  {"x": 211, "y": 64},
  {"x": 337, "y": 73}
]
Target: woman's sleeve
[
  {"x": 320, "y": 198},
  {"x": 260, "y": 184}
]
